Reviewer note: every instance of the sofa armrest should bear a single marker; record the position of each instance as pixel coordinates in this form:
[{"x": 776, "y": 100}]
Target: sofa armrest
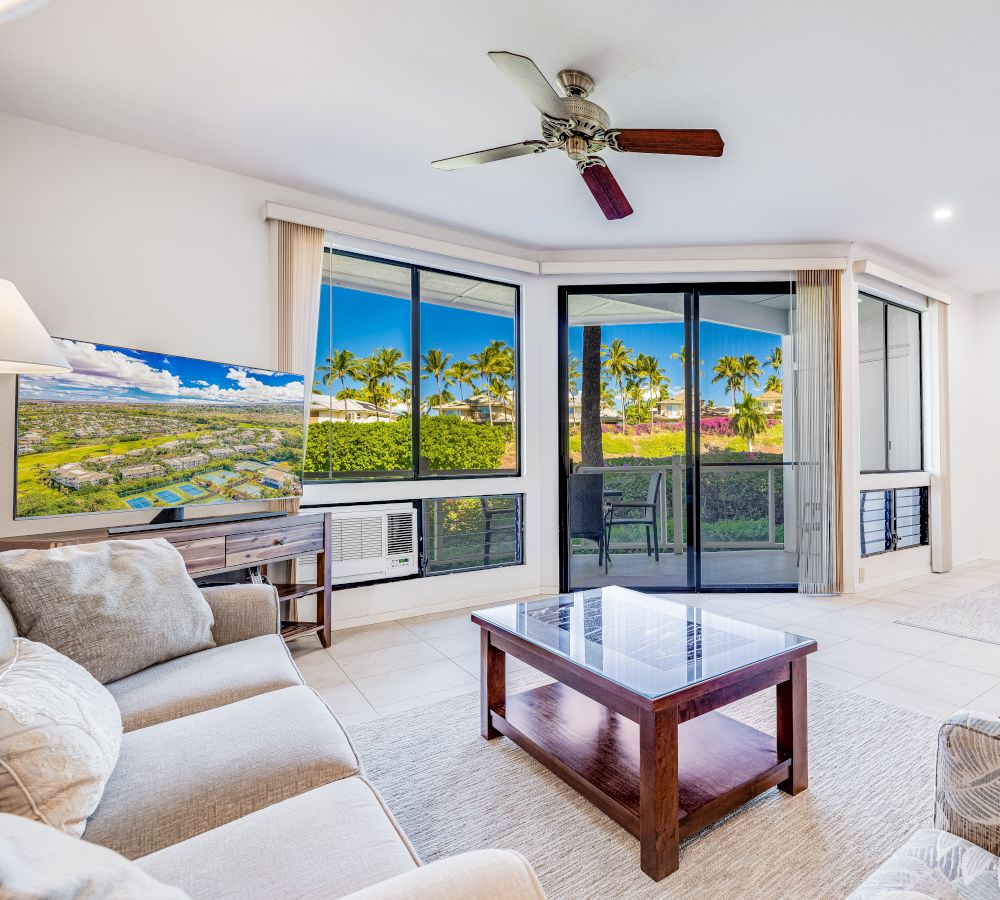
[
  {"x": 967, "y": 790},
  {"x": 242, "y": 611},
  {"x": 479, "y": 875}
]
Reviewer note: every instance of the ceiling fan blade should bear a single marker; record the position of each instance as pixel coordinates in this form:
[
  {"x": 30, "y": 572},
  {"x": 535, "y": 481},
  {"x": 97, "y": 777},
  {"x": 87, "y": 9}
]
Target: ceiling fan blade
[
  {"x": 683, "y": 141},
  {"x": 609, "y": 196},
  {"x": 530, "y": 82},
  {"x": 492, "y": 155}
]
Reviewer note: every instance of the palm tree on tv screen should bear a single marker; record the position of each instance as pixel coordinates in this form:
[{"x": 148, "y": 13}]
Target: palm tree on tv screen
[
  {"x": 618, "y": 362},
  {"x": 435, "y": 365}
]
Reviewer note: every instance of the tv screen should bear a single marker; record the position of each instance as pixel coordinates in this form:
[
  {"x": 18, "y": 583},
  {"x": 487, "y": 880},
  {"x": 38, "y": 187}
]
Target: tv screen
[{"x": 131, "y": 430}]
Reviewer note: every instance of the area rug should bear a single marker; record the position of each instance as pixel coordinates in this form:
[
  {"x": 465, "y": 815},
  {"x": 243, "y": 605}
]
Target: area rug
[
  {"x": 871, "y": 785},
  {"x": 976, "y": 616}
]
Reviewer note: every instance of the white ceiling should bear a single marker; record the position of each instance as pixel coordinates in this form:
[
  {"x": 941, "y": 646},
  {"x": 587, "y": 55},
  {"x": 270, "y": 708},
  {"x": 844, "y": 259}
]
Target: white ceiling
[{"x": 843, "y": 119}]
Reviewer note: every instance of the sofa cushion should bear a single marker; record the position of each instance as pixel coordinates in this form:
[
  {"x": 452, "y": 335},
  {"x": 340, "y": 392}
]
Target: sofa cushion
[
  {"x": 60, "y": 732},
  {"x": 38, "y": 861},
  {"x": 934, "y": 864},
  {"x": 476, "y": 875},
  {"x": 200, "y": 681},
  {"x": 181, "y": 778},
  {"x": 115, "y": 607},
  {"x": 325, "y": 843},
  {"x": 8, "y": 630}
]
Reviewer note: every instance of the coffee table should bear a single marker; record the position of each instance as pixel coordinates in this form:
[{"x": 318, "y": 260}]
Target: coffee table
[{"x": 629, "y": 721}]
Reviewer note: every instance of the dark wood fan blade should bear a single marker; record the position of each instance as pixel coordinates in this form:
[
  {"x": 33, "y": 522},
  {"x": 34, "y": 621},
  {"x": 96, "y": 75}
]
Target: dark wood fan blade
[
  {"x": 608, "y": 194},
  {"x": 683, "y": 141},
  {"x": 492, "y": 155},
  {"x": 529, "y": 81}
]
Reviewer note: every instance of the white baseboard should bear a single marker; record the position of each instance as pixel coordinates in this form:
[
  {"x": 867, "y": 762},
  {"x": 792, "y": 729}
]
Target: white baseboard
[
  {"x": 890, "y": 579},
  {"x": 460, "y": 603}
]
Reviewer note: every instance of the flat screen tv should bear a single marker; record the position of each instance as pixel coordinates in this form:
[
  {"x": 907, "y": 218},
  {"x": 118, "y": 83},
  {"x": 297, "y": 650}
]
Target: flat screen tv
[{"x": 131, "y": 430}]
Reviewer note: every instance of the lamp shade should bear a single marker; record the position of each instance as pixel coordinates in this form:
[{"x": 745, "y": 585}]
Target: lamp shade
[{"x": 25, "y": 345}]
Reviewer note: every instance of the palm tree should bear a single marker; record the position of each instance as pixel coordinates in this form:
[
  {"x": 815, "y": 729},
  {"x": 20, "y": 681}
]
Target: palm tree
[
  {"x": 370, "y": 374},
  {"x": 436, "y": 365},
  {"x": 636, "y": 394},
  {"x": 618, "y": 362},
  {"x": 648, "y": 367},
  {"x": 573, "y": 373},
  {"x": 748, "y": 419},
  {"x": 496, "y": 360},
  {"x": 774, "y": 361},
  {"x": 728, "y": 368},
  {"x": 406, "y": 398},
  {"x": 751, "y": 371},
  {"x": 391, "y": 365},
  {"x": 462, "y": 374},
  {"x": 438, "y": 400},
  {"x": 499, "y": 389},
  {"x": 340, "y": 365}
]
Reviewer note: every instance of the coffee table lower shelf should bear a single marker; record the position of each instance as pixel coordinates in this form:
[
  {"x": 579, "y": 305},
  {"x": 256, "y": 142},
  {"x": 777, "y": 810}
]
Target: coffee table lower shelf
[{"x": 722, "y": 763}]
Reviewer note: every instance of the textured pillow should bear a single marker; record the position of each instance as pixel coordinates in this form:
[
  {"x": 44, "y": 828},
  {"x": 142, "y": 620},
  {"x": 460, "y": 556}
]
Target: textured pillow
[
  {"x": 60, "y": 733},
  {"x": 37, "y": 861},
  {"x": 115, "y": 607}
]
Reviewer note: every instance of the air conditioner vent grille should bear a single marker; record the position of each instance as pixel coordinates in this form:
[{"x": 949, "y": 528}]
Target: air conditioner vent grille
[
  {"x": 399, "y": 529},
  {"x": 356, "y": 537}
]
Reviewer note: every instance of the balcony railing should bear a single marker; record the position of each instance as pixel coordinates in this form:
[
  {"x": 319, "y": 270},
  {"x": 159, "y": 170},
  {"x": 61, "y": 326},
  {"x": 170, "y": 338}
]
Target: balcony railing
[{"x": 671, "y": 505}]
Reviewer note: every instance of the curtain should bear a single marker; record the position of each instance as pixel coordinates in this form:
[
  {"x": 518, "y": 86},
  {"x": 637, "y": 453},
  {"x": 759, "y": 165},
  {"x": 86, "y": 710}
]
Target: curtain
[
  {"x": 297, "y": 254},
  {"x": 819, "y": 498}
]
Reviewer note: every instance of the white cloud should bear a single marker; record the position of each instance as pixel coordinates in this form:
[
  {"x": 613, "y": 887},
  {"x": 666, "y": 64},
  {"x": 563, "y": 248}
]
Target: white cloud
[{"x": 115, "y": 371}]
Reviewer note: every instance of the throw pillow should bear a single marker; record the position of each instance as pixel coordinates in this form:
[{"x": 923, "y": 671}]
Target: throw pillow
[
  {"x": 60, "y": 733},
  {"x": 115, "y": 607},
  {"x": 37, "y": 861}
]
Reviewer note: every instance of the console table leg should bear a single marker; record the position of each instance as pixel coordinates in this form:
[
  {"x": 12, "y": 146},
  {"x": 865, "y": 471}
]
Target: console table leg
[
  {"x": 792, "y": 717},
  {"x": 492, "y": 682},
  {"x": 658, "y": 812}
]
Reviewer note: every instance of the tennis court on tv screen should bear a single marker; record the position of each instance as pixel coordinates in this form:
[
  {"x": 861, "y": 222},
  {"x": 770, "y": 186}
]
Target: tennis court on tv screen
[{"x": 251, "y": 481}]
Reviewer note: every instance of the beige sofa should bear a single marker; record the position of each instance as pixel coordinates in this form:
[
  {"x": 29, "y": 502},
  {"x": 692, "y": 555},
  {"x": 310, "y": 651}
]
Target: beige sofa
[
  {"x": 235, "y": 779},
  {"x": 957, "y": 858}
]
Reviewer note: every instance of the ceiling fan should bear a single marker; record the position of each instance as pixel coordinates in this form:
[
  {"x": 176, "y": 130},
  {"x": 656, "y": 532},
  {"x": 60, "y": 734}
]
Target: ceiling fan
[{"x": 581, "y": 128}]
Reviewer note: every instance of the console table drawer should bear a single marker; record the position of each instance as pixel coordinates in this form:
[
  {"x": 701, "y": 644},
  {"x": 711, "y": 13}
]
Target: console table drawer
[
  {"x": 260, "y": 546},
  {"x": 202, "y": 555}
]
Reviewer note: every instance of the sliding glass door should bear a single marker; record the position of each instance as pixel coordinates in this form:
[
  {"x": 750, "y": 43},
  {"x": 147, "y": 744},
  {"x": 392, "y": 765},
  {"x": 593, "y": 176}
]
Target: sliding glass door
[{"x": 677, "y": 474}]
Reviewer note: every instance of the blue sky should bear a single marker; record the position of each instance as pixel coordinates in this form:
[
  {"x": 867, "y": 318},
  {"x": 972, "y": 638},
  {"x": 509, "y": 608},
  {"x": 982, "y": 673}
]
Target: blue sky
[
  {"x": 105, "y": 374},
  {"x": 363, "y": 322},
  {"x": 663, "y": 339}
]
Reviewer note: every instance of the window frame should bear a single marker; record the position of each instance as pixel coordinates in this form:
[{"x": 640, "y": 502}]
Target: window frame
[
  {"x": 886, "y": 303},
  {"x": 415, "y": 383}
]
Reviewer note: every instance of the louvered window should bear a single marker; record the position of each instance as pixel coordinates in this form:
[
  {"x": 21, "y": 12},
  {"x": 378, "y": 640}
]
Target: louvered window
[
  {"x": 893, "y": 520},
  {"x": 466, "y": 533}
]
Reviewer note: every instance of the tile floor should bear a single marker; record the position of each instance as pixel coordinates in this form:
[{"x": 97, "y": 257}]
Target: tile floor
[{"x": 378, "y": 670}]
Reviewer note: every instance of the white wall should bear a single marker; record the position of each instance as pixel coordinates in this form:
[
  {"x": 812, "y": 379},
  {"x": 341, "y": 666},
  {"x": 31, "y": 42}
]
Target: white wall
[{"x": 123, "y": 246}]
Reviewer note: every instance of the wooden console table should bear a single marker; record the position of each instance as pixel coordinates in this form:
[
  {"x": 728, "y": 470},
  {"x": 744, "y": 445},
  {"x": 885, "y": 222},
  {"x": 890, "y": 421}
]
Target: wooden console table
[{"x": 217, "y": 547}]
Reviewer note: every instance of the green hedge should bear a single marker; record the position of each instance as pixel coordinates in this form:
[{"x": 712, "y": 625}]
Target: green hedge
[{"x": 447, "y": 442}]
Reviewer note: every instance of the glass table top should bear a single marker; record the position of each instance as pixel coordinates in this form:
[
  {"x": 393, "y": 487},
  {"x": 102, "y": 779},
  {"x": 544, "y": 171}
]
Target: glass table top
[{"x": 650, "y": 645}]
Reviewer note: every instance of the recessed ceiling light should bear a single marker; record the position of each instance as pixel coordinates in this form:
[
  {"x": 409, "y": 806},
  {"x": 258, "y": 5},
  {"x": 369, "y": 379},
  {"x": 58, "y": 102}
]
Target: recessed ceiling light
[{"x": 942, "y": 214}]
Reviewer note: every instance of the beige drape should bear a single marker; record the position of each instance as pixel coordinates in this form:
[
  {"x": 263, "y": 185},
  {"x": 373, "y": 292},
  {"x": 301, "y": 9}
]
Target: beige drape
[
  {"x": 818, "y": 482},
  {"x": 297, "y": 255}
]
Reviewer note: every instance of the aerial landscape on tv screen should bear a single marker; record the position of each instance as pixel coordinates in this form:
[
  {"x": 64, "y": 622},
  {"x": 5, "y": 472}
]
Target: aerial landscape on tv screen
[{"x": 131, "y": 430}]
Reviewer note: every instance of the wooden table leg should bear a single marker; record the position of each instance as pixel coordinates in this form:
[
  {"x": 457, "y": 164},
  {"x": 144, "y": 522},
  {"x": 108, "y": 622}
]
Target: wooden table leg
[
  {"x": 792, "y": 737},
  {"x": 658, "y": 813},
  {"x": 492, "y": 682}
]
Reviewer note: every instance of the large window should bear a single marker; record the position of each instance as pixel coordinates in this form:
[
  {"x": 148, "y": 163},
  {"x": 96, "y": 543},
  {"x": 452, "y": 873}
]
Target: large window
[
  {"x": 890, "y": 386},
  {"x": 416, "y": 374}
]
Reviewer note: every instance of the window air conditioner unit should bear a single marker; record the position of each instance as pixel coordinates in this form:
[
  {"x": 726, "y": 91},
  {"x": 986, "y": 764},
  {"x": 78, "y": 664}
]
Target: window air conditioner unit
[{"x": 371, "y": 543}]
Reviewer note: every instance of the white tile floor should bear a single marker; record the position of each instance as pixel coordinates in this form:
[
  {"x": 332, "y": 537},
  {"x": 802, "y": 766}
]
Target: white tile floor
[{"x": 378, "y": 670}]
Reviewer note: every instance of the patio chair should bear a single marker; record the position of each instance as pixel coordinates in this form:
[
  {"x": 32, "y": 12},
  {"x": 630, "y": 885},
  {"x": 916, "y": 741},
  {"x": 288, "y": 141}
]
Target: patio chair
[
  {"x": 646, "y": 513},
  {"x": 586, "y": 511}
]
